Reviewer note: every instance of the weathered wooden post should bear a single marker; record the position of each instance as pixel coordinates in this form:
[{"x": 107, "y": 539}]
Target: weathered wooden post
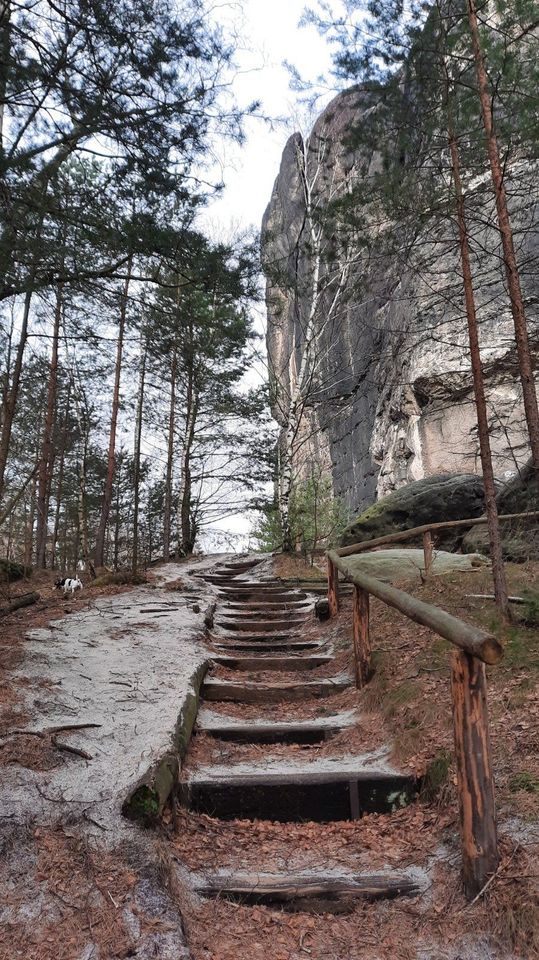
[
  {"x": 333, "y": 589},
  {"x": 362, "y": 640},
  {"x": 474, "y": 772},
  {"x": 427, "y": 552}
]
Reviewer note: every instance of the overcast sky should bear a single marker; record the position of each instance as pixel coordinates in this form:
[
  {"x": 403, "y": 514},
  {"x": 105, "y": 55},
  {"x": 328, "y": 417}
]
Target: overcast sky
[{"x": 269, "y": 36}]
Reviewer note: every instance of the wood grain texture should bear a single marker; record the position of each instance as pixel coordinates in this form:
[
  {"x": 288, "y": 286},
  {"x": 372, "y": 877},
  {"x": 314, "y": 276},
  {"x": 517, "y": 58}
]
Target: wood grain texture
[{"x": 474, "y": 772}]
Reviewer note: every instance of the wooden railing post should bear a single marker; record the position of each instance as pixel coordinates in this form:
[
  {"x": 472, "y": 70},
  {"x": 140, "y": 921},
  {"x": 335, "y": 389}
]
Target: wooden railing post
[
  {"x": 474, "y": 772},
  {"x": 427, "y": 552},
  {"x": 362, "y": 640},
  {"x": 333, "y": 589}
]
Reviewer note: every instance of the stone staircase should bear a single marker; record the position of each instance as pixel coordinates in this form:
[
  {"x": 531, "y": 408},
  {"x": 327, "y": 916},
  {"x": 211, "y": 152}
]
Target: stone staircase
[{"x": 263, "y": 657}]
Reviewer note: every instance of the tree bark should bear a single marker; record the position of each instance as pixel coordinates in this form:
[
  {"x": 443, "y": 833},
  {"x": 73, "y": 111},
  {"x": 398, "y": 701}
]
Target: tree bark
[
  {"x": 13, "y": 393},
  {"x": 5, "y": 47},
  {"x": 167, "y": 513},
  {"x": 46, "y": 461},
  {"x": 506, "y": 232},
  {"x": 496, "y": 555},
  {"x": 362, "y": 641},
  {"x": 474, "y": 772},
  {"x": 29, "y": 544},
  {"x": 138, "y": 440},
  {"x": 186, "y": 525},
  {"x": 60, "y": 485},
  {"x": 99, "y": 553}
]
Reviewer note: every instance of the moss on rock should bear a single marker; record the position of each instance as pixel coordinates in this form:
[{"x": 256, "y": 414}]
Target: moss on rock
[{"x": 432, "y": 500}]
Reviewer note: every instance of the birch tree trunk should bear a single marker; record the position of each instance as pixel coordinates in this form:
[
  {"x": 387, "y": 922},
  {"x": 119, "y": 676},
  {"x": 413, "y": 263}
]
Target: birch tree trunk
[{"x": 322, "y": 297}]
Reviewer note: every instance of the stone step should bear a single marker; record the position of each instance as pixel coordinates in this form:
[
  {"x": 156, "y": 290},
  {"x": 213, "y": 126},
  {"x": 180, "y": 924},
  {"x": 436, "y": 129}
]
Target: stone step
[
  {"x": 286, "y": 691},
  {"x": 301, "y": 606},
  {"x": 308, "y": 892},
  {"x": 247, "y": 613},
  {"x": 289, "y": 636},
  {"x": 287, "y": 790},
  {"x": 265, "y": 646},
  {"x": 262, "y": 731},
  {"x": 284, "y": 664},
  {"x": 259, "y": 626}
]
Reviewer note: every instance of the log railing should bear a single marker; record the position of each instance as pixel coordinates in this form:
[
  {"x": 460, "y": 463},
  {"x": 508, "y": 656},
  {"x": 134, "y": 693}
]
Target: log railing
[
  {"x": 473, "y": 649},
  {"x": 426, "y": 531}
]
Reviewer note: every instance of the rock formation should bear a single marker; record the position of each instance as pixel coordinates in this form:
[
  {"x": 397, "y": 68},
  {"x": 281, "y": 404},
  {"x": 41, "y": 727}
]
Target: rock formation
[{"x": 389, "y": 390}]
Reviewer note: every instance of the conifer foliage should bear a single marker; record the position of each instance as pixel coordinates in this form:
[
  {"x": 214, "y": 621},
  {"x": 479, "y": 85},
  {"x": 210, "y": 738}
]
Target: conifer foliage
[{"x": 125, "y": 332}]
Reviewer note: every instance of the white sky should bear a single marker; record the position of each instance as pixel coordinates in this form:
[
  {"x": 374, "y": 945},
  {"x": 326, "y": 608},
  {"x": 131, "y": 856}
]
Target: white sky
[{"x": 269, "y": 35}]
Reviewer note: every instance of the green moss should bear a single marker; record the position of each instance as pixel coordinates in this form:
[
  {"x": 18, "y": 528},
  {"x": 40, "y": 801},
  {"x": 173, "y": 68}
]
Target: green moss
[
  {"x": 142, "y": 805},
  {"x": 524, "y": 781}
]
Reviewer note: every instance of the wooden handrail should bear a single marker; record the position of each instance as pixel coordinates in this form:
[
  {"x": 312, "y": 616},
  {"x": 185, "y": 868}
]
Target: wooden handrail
[
  {"x": 402, "y": 535},
  {"x": 461, "y": 634},
  {"x": 475, "y": 648}
]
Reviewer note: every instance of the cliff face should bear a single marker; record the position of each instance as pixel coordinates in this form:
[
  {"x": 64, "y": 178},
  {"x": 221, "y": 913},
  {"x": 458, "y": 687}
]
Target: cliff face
[{"x": 388, "y": 396}]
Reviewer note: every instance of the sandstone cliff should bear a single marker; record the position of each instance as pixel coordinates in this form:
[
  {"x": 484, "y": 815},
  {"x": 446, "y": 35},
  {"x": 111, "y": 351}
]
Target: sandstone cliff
[{"x": 389, "y": 397}]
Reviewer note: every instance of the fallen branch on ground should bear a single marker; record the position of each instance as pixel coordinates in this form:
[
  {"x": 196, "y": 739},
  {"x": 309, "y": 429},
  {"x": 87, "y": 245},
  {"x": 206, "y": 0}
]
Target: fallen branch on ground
[{"x": 25, "y": 600}]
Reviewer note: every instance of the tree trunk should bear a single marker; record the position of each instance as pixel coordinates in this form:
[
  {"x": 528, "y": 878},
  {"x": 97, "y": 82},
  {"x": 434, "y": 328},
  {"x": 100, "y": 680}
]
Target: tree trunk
[
  {"x": 167, "y": 514},
  {"x": 117, "y": 520},
  {"x": 510, "y": 262},
  {"x": 60, "y": 486},
  {"x": 186, "y": 525},
  {"x": 13, "y": 393},
  {"x": 498, "y": 569},
  {"x": 46, "y": 461},
  {"x": 5, "y": 47},
  {"x": 138, "y": 439},
  {"x": 29, "y": 544},
  {"x": 99, "y": 554}
]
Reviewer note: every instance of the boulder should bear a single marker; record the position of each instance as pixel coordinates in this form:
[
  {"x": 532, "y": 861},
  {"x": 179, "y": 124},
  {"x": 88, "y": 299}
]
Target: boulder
[
  {"x": 520, "y": 538},
  {"x": 432, "y": 500}
]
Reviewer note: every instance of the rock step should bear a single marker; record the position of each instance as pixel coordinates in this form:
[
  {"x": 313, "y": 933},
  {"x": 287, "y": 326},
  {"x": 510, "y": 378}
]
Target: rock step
[
  {"x": 244, "y": 592},
  {"x": 259, "y": 626},
  {"x": 241, "y": 614},
  {"x": 229, "y": 578},
  {"x": 257, "y": 637},
  {"x": 269, "y": 645},
  {"x": 259, "y": 731},
  {"x": 273, "y": 663},
  {"x": 308, "y": 893},
  {"x": 285, "y": 691},
  {"x": 242, "y": 564},
  {"x": 283, "y": 606},
  {"x": 291, "y": 792}
]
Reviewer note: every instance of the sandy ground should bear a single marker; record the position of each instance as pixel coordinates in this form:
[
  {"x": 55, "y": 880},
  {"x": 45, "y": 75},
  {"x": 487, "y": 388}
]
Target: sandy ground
[{"x": 125, "y": 666}]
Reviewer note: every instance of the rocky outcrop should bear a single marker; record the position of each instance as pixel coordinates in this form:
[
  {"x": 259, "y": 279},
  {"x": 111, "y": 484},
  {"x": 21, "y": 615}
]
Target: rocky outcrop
[
  {"x": 520, "y": 538},
  {"x": 435, "y": 499},
  {"x": 390, "y": 399}
]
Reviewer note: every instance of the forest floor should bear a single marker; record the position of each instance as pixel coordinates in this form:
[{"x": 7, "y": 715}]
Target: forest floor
[
  {"x": 77, "y": 882},
  {"x": 91, "y": 690}
]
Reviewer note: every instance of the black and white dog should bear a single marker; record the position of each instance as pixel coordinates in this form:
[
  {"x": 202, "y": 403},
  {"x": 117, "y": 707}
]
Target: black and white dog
[{"x": 68, "y": 584}]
